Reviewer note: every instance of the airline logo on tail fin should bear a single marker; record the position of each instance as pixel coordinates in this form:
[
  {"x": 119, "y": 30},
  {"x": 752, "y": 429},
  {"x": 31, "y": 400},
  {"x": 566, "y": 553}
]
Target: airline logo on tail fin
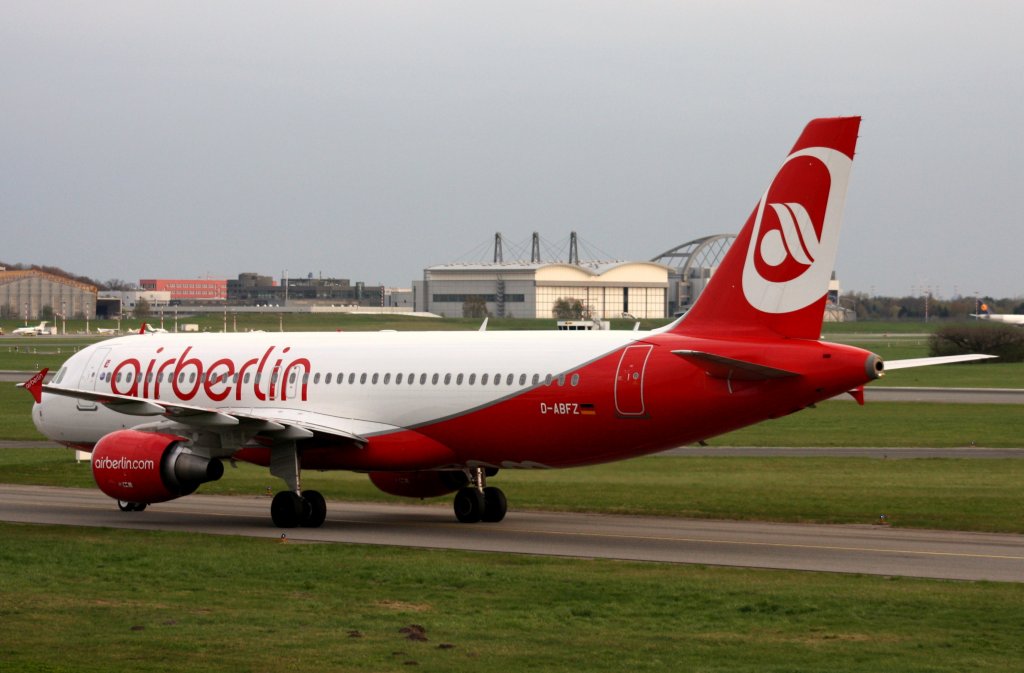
[
  {"x": 792, "y": 249},
  {"x": 774, "y": 279}
]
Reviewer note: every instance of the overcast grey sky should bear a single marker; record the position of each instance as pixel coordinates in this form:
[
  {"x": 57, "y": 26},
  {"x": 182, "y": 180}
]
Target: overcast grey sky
[{"x": 370, "y": 139}]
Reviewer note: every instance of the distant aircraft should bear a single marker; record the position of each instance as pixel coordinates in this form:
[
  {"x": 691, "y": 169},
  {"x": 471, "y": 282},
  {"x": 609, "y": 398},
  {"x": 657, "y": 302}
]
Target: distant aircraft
[
  {"x": 146, "y": 328},
  {"x": 41, "y": 328},
  {"x": 1011, "y": 318},
  {"x": 105, "y": 331},
  {"x": 431, "y": 413}
]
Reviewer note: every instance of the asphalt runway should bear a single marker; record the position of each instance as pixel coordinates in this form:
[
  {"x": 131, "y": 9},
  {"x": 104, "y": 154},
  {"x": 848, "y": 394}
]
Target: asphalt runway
[{"x": 867, "y": 549}]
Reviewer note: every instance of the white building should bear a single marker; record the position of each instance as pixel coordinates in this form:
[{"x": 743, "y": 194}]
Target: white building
[{"x": 530, "y": 289}]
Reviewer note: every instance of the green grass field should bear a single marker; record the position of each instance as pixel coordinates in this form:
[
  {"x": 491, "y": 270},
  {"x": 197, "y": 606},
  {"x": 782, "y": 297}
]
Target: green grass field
[{"x": 95, "y": 600}]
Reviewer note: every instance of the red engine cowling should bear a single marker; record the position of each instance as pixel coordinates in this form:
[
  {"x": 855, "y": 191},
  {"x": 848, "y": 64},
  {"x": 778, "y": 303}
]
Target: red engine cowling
[
  {"x": 146, "y": 467},
  {"x": 419, "y": 484}
]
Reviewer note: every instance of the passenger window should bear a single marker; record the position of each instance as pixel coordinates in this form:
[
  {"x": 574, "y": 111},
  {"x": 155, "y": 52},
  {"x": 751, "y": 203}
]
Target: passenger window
[
  {"x": 472, "y": 379},
  {"x": 387, "y": 379},
  {"x": 561, "y": 379},
  {"x": 575, "y": 380},
  {"x": 434, "y": 379},
  {"x": 291, "y": 378},
  {"x": 483, "y": 380},
  {"x": 536, "y": 379},
  {"x": 447, "y": 379},
  {"x": 352, "y": 378},
  {"x": 376, "y": 377},
  {"x": 423, "y": 379},
  {"x": 341, "y": 378},
  {"x": 522, "y": 379},
  {"x": 234, "y": 378},
  {"x": 316, "y": 378},
  {"x": 362, "y": 378},
  {"x": 458, "y": 380},
  {"x": 398, "y": 379},
  {"x": 547, "y": 380},
  {"x": 510, "y": 379},
  {"x": 192, "y": 377},
  {"x": 245, "y": 378},
  {"x": 327, "y": 379},
  {"x": 412, "y": 379},
  {"x": 119, "y": 377}
]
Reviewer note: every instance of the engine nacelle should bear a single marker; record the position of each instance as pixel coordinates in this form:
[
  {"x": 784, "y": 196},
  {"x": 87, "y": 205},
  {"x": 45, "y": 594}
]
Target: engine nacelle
[
  {"x": 419, "y": 484},
  {"x": 147, "y": 467}
]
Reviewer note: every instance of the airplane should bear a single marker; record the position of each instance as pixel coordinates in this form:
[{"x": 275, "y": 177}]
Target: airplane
[
  {"x": 426, "y": 414},
  {"x": 107, "y": 331},
  {"x": 36, "y": 330},
  {"x": 1009, "y": 318}
]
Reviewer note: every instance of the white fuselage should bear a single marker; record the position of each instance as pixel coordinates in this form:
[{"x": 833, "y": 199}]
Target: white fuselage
[{"x": 361, "y": 382}]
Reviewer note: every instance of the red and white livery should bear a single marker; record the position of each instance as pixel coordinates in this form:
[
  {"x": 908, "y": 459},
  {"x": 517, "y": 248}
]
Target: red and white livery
[{"x": 430, "y": 413}]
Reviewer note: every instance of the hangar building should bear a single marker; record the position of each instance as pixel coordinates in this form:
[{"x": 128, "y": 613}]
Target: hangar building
[
  {"x": 530, "y": 289},
  {"x": 25, "y": 293}
]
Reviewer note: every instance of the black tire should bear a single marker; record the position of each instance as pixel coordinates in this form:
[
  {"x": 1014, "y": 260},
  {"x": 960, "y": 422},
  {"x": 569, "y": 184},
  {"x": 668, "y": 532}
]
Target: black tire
[
  {"x": 315, "y": 509},
  {"x": 495, "y": 504},
  {"x": 469, "y": 505},
  {"x": 286, "y": 509},
  {"x": 126, "y": 506}
]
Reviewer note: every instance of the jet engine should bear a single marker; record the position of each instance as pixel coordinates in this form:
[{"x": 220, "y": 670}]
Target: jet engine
[
  {"x": 146, "y": 467},
  {"x": 419, "y": 484}
]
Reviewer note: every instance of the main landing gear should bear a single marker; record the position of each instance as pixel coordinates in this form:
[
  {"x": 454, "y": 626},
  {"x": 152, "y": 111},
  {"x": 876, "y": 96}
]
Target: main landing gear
[
  {"x": 479, "y": 502},
  {"x": 288, "y": 509}
]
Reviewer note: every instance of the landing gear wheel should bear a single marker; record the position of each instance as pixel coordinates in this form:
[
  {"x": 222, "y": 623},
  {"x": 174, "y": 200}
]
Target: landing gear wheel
[
  {"x": 495, "y": 504},
  {"x": 314, "y": 509},
  {"x": 287, "y": 509},
  {"x": 469, "y": 505},
  {"x": 126, "y": 506}
]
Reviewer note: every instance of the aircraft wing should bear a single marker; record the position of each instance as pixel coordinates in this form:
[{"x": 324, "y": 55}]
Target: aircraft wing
[{"x": 278, "y": 423}]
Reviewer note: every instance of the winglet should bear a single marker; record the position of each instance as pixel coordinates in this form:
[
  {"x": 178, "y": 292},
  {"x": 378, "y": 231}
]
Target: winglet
[
  {"x": 35, "y": 385},
  {"x": 142, "y": 330}
]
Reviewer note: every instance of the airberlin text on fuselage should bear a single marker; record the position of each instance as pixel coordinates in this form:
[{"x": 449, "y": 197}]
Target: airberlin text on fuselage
[{"x": 218, "y": 379}]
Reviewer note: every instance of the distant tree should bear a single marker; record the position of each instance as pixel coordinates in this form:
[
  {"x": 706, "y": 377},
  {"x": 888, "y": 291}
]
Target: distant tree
[
  {"x": 46, "y": 313},
  {"x": 1005, "y": 341},
  {"x": 119, "y": 284},
  {"x": 142, "y": 308},
  {"x": 568, "y": 308},
  {"x": 474, "y": 307}
]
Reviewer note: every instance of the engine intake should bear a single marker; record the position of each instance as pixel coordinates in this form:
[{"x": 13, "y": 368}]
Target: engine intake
[{"x": 146, "y": 467}]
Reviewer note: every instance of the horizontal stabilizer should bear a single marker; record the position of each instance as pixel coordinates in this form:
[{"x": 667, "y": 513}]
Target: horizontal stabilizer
[
  {"x": 890, "y": 365},
  {"x": 721, "y": 367}
]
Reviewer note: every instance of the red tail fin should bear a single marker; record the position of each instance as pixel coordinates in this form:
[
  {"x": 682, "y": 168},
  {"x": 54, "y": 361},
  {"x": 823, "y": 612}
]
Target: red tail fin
[{"x": 774, "y": 279}]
